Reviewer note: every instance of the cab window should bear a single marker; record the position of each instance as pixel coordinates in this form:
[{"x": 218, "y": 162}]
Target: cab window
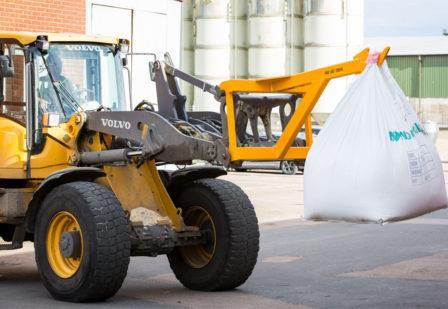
[
  {"x": 74, "y": 77},
  {"x": 12, "y": 97}
]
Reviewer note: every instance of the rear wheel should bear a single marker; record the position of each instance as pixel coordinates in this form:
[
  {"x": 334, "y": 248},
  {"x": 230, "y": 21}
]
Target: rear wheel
[
  {"x": 239, "y": 169},
  {"x": 82, "y": 242},
  {"x": 301, "y": 165},
  {"x": 227, "y": 259},
  {"x": 288, "y": 167}
]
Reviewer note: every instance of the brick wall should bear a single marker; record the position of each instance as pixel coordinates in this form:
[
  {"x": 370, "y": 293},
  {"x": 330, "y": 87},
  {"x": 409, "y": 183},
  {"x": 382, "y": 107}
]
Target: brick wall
[
  {"x": 14, "y": 85},
  {"x": 43, "y": 15},
  {"x": 36, "y": 16}
]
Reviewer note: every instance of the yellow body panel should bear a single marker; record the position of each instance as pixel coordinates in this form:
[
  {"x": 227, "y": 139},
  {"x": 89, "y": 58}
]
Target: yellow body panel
[
  {"x": 60, "y": 148},
  {"x": 142, "y": 187},
  {"x": 13, "y": 150},
  {"x": 134, "y": 186},
  {"x": 13, "y": 156},
  {"x": 53, "y": 157}
]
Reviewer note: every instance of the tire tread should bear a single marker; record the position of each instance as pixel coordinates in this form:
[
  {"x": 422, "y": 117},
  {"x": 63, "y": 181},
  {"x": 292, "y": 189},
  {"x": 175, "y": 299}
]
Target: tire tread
[
  {"x": 244, "y": 236},
  {"x": 112, "y": 240}
]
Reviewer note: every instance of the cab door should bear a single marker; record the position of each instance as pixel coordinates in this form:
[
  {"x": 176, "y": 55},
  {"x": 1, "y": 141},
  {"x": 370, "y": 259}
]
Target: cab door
[{"x": 13, "y": 151}]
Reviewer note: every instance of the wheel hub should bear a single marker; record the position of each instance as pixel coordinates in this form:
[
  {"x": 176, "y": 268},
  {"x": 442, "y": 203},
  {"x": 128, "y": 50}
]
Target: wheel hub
[
  {"x": 70, "y": 244},
  {"x": 198, "y": 256},
  {"x": 64, "y": 244},
  {"x": 288, "y": 167}
]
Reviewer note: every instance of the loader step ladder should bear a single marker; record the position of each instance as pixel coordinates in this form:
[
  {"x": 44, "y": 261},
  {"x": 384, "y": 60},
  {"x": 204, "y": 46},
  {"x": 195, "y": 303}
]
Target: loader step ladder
[{"x": 17, "y": 238}]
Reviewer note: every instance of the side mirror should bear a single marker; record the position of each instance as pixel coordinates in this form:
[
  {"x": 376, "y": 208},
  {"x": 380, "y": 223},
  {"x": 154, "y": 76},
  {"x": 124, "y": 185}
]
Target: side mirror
[
  {"x": 6, "y": 66},
  {"x": 152, "y": 72}
]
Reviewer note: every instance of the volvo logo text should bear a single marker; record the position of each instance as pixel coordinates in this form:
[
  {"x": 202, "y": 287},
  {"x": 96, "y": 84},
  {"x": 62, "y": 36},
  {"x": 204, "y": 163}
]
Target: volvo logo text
[{"x": 118, "y": 124}]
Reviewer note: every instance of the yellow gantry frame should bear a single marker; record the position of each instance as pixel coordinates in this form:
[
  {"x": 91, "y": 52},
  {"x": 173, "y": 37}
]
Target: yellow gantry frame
[{"x": 309, "y": 85}]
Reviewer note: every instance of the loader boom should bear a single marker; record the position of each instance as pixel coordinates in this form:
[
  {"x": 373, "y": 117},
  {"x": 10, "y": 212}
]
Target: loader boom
[{"x": 308, "y": 86}]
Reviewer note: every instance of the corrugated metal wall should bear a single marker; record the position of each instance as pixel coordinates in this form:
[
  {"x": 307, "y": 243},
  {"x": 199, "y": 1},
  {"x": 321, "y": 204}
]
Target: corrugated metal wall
[
  {"x": 434, "y": 73},
  {"x": 431, "y": 81},
  {"x": 405, "y": 71},
  {"x": 435, "y": 76}
]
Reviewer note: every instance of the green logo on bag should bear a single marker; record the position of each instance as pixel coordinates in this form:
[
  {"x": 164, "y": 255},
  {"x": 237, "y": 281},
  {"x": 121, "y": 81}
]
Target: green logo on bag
[{"x": 395, "y": 136}]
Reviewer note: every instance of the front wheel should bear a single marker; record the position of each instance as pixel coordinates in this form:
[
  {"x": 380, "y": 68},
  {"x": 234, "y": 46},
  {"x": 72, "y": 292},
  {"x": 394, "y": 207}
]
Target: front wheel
[
  {"x": 224, "y": 213},
  {"x": 82, "y": 242}
]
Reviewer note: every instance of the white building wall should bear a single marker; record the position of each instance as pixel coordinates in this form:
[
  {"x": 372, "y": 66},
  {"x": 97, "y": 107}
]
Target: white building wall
[
  {"x": 220, "y": 44},
  {"x": 275, "y": 37},
  {"x": 333, "y": 34},
  {"x": 187, "y": 49},
  {"x": 152, "y": 26}
]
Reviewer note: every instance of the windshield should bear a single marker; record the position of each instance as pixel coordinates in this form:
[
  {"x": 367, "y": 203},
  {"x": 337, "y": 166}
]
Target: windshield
[{"x": 71, "y": 77}]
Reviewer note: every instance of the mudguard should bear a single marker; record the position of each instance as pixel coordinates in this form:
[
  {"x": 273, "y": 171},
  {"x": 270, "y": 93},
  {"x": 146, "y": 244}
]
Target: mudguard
[
  {"x": 174, "y": 181},
  {"x": 57, "y": 178}
]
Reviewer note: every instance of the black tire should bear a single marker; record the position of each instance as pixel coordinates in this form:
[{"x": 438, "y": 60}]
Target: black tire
[
  {"x": 239, "y": 169},
  {"x": 301, "y": 166},
  {"x": 288, "y": 167},
  {"x": 105, "y": 235},
  {"x": 237, "y": 236}
]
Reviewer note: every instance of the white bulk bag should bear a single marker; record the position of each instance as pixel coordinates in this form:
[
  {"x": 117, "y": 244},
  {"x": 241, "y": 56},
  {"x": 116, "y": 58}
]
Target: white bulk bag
[{"x": 372, "y": 160}]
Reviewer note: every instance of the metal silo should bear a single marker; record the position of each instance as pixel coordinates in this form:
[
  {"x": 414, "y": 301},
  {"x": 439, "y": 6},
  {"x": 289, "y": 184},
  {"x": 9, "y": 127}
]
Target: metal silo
[
  {"x": 333, "y": 33},
  {"x": 220, "y": 45},
  {"x": 275, "y": 37},
  {"x": 187, "y": 54}
]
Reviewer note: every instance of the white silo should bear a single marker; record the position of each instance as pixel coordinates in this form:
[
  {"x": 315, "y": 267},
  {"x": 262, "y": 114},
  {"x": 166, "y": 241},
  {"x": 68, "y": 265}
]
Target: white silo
[
  {"x": 333, "y": 33},
  {"x": 187, "y": 54},
  {"x": 275, "y": 37},
  {"x": 220, "y": 45}
]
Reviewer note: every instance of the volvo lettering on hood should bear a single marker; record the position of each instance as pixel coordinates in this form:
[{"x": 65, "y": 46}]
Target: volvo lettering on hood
[
  {"x": 83, "y": 47},
  {"x": 118, "y": 124}
]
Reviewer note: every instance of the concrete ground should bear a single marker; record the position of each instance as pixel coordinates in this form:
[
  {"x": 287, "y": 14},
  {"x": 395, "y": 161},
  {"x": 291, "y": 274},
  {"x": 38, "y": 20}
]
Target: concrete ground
[
  {"x": 317, "y": 265},
  {"x": 301, "y": 263},
  {"x": 442, "y": 145}
]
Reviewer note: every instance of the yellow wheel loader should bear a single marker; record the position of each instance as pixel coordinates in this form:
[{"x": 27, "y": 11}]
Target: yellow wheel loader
[{"x": 78, "y": 167}]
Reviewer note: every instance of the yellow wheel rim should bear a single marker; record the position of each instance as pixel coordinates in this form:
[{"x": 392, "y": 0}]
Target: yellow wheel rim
[
  {"x": 198, "y": 256},
  {"x": 62, "y": 222}
]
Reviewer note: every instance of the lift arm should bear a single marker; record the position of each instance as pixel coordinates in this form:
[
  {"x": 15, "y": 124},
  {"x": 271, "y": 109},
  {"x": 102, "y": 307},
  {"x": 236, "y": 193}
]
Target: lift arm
[{"x": 309, "y": 85}]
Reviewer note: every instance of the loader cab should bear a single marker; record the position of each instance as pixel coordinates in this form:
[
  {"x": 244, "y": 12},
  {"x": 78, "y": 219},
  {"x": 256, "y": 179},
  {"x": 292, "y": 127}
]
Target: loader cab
[
  {"x": 67, "y": 77},
  {"x": 62, "y": 77},
  {"x": 73, "y": 76},
  {"x": 12, "y": 109},
  {"x": 44, "y": 80}
]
